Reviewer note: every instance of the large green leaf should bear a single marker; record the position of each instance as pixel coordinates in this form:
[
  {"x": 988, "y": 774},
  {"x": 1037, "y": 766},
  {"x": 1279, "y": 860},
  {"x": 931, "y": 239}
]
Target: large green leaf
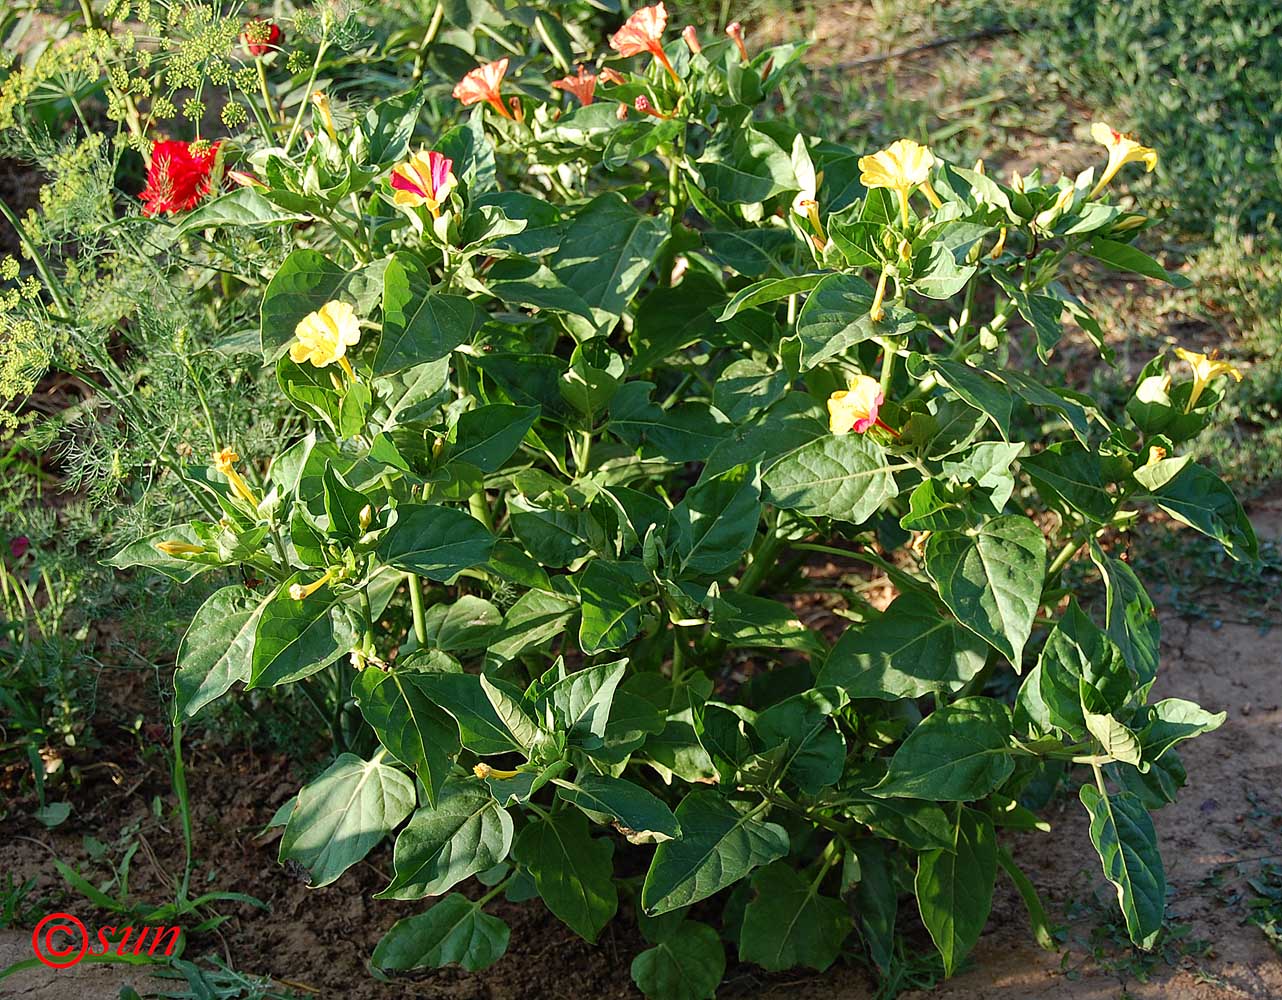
[
  {"x": 342, "y": 814},
  {"x": 686, "y": 964},
  {"x": 607, "y": 252},
  {"x": 768, "y": 290},
  {"x": 465, "y": 832},
  {"x": 815, "y": 753},
  {"x": 581, "y": 701},
  {"x": 487, "y": 436},
  {"x": 1069, "y": 471},
  {"x": 419, "y": 325},
  {"x": 1130, "y": 618},
  {"x": 991, "y": 579},
  {"x": 1123, "y": 835},
  {"x": 715, "y": 523},
  {"x": 643, "y": 817},
  {"x": 1171, "y": 721},
  {"x": 217, "y": 649},
  {"x": 960, "y": 753},
  {"x": 910, "y": 650},
  {"x": 876, "y": 898},
  {"x": 612, "y": 602},
  {"x": 788, "y": 923},
  {"x": 294, "y": 639},
  {"x": 435, "y": 542},
  {"x": 955, "y": 887},
  {"x": 413, "y": 728},
  {"x": 843, "y": 476},
  {"x": 1198, "y": 497},
  {"x": 719, "y": 845},
  {"x": 455, "y": 931},
  {"x": 572, "y": 871}
]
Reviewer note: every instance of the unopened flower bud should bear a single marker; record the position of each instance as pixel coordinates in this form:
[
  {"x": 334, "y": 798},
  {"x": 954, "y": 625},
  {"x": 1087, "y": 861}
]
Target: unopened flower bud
[
  {"x": 735, "y": 30},
  {"x": 691, "y": 38},
  {"x": 365, "y": 517}
]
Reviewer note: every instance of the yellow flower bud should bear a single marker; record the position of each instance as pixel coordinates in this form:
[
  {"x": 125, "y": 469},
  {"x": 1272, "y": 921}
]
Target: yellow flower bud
[
  {"x": 483, "y": 771},
  {"x": 174, "y": 547},
  {"x": 223, "y": 462},
  {"x": 300, "y": 592}
]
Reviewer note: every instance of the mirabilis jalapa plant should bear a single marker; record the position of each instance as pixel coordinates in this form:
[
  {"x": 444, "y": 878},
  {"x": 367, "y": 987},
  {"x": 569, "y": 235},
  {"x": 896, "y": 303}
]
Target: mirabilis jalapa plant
[{"x": 587, "y": 378}]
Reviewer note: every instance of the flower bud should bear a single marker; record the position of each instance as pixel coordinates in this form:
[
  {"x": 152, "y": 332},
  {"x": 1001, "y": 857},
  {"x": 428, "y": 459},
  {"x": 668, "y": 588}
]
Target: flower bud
[{"x": 691, "y": 38}]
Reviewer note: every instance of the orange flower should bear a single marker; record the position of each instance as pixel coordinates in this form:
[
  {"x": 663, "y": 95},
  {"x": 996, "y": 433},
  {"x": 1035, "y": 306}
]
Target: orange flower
[
  {"x": 582, "y": 86},
  {"x": 483, "y": 84},
  {"x": 643, "y": 32}
]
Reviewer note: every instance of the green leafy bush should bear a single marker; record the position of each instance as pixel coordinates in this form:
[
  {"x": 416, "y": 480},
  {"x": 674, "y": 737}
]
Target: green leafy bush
[{"x": 580, "y": 384}]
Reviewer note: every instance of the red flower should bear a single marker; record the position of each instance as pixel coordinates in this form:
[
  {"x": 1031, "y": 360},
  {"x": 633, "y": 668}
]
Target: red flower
[
  {"x": 582, "y": 86},
  {"x": 261, "y": 37},
  {"x": 643, "y": 32},
  {"x": 18, "y": 546},
  {"x": 484, "y": 83},
  {"x": 178, "y": 177}
]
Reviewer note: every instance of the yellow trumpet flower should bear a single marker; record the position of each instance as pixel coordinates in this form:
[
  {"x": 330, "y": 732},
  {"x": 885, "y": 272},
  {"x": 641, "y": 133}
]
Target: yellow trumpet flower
[
  {"x": 808, "y": 209},
  {"x": 1206, "y": 367},
  {"x": 174, "y": 547},
  {"x": 224, "y": 462},
  {"x": 855, "y": 409},
  {"x": 485, "y": 771},
  {"x": 325, "y": 335},
  {"x": 901, "y": 167},
  {"x": 1122, "y": 149},
  {"x": 300, "y": 592}
]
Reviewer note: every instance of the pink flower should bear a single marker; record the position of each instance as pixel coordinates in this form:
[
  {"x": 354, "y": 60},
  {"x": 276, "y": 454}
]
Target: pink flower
[
  {"x": 643, "y": 32},
  {"x": 19, "y": 546},
  {"x": 484, "y": 84},
  {"x": 582, "y": 86},
  {"x": 426, "y": 178}
]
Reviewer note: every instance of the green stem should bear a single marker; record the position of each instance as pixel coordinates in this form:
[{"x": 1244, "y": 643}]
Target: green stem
[
  {"x": 480, "y": 509},
  {"x": 433, "y": 26},
  {"x": 887, "y": 366},
  {"x": 416, "y": 605},
  {"x": 265, "y": 90},
  {"x": 42, "y": 267},
  {"x": 184, "y": 811},
  {"x": 763, "y": 557},
  {"x": 307, "y": 92}
]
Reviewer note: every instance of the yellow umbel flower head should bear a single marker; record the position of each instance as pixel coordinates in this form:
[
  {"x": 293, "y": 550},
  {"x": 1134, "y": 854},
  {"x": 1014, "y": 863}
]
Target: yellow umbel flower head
[
  {"x": 902, "y": 167},
  {"x": 1205, "y": 368},
  {"x": 1122, "y": 149},
  {"x": 325, "y": 335}
]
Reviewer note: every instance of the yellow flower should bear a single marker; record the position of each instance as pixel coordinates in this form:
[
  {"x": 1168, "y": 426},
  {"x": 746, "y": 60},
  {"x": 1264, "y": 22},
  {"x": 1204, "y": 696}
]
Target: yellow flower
[
  {"x": 174, "y": 547},
  {"x": 426, "y": 178},
  {"x": 1122, "y": 149},
  {"x": 485, "y": 771},
  {"x": 224, "y": 462},
  {"x": 300, "y": 592},
  {"x": 1155, "y": 454},
  {"x": 1062, "y": 204},
  {"x": 855, "y": 409},
  {"x": 808, "y": 209},
  {"x": 901, "y": 167},
  {"x": 1205, "y": 368},
  {"x": 325, "y": 335}
]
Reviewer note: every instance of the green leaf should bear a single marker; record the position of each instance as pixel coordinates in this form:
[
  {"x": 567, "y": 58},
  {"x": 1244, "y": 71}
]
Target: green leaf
[
  {"x": 464, "y": 833},
  {"x": 686, "y": 965},
  {"x": 955, "y": 888},
  {"x": 923, "y": 826},
  {"x": 769, "y": 290},
  {"x": 991, "y": 579},
  {"x": 581, "y": 701},
  {"x": 343, "y": 506},
  {"x": 573, "y": 871},
  {"x": 607, "y": 252},
  {"x": 217, "y": 649},
  {"x": 455, "y": 931},
  {"x": 522, "y": 729},
  {"x": 1124, "y": 257},
  {"x": 745, "y": 621},
  {"x": 294, "y": 639},
  {"x": 413, "y": 728},
  {"x": 1070, "y": 472},
  {"x": 960, "y": 753},
  {"x": 536, "y": 617},
  {"x": 1197, "y": 496},
  {"x": 746, "y": 387},
  {"x": 480, "y": 728},
  {"x": 645, "y": 818},
  {"x": 303, "y": 283},
  {"x": 1171, "y": 721},
  {"x": 1123, "y": 835},
  {"x": 910, "y": 650},
  {"x": 877, "y": 901},
  {"x": 143, "y": 552},
  {"x": 843, "y": 476},
  {"x": 612, "y": 603},
  {"x": 1130, "y": 618},
  {"x": 788, "y": 923},
  {"x": 419, "y": 325},
  {"x": 715, "y": 523},
  {"x": 468, "y": 623},
  {"x": 1041, "y": 925},
  {"x": 389, "y": 125},
  {"x": 719, "y": 845},
  {"x": 816, "y": 750},
  {"x": 1076, "y": 652},
  {"x": 435, "y": 542},
  {"x": 342, "y": 814},
  {"x": 244, "y": 207},
  {"x": 835, "y": 318}
]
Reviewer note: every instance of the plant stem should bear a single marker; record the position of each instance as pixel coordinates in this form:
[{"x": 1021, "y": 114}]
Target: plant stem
[
  {"x": 480, "y": 509},
  {"x": 184, "y": 810},
  {"x": 887, "y": 366},
  {"x": 307, "y": 92},
  {"x": 416, "y": 605}
]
